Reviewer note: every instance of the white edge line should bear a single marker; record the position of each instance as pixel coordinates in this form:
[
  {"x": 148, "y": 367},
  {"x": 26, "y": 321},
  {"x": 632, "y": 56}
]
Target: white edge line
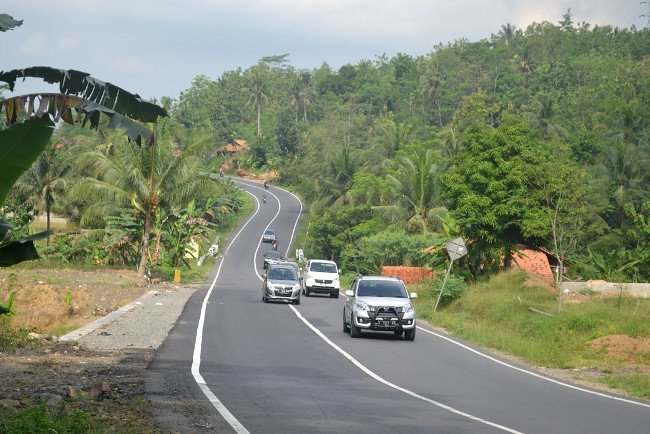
[
  {"x": 395, "y": 386},
  {"x": 196, "y": 358},
  {"x": 534, "y": 374}
]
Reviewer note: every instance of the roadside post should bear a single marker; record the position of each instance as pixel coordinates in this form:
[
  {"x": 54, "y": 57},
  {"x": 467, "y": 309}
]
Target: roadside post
[{"x": 456, "y": 250}]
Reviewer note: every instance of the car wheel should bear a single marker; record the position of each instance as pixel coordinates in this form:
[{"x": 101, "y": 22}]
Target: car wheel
[
  {"x": 264, "y": 299},
  {"x": 409, "y": 335},
  {"x": 355, "y": 331},
  {"x": 303, "y": 291},
  {"x": 307, "y": 293},
  {"x": 334, "y": 294},
  {"x": 345, "y": 324}
]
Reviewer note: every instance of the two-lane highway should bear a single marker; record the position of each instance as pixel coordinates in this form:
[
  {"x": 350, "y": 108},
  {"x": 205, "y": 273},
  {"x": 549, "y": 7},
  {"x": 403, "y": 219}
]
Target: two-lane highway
[{"x": 234, "y": 363}]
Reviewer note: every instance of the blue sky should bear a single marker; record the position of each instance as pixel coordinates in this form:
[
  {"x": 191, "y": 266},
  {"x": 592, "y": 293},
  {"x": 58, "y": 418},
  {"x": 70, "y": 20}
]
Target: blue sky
[{"x": 156, "y": 47}]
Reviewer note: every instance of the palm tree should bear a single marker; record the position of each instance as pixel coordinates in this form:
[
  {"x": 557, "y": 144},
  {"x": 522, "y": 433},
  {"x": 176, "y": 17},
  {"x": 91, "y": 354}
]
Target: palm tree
[
  {"x": 626, "y": 166},
  {"x": 334, "y": 187},
  {"x": 396, "y": 133},
  {"x": 543, "y": 118},
  {"x": 302, "y": 96},
  {"x": 145, "y": 178},
  {"x": 413, "y": 191},
  {"x": 259, "y": 92},
  {"x": 46, "y": 180},
  {"x": 429, "y": 88},
  {"x": 508, "y": 32}
]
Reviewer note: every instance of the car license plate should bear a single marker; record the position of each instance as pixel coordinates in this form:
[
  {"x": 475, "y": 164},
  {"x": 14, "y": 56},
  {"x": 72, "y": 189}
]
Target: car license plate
[{"x": 386, "y": 323}]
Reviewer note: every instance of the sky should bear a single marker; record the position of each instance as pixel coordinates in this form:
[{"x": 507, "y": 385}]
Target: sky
[{"x": 156, "y": 47}]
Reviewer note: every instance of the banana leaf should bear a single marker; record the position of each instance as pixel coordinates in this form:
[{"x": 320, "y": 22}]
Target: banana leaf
[
  {"x": 81, "y": 84},
  {"x": 20, "y": 145},
  {"x": 7, "y": 22},
  {"x": 14, "y": 252}
]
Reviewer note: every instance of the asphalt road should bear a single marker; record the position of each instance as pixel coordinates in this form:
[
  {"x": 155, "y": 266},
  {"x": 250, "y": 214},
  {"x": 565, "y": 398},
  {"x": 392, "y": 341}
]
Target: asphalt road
[{"x": 235, "y": 364}]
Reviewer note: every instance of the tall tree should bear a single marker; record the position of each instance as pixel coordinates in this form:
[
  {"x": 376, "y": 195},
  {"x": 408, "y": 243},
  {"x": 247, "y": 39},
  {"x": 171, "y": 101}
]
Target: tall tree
[
  {"x": 46, "y": 180},
  {"x": 487, "y": 187},
  {"x": 259, "y": 91},
  {"x": 413, "y": 190},
  {"x": 162, "y": 175}
]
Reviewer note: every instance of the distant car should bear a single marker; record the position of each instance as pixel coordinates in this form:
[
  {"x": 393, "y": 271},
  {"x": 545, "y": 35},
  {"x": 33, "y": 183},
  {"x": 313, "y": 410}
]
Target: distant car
[
  {"x": 281, "y": 283},
  {"x": 322, "y": 277},
  {"x": 272, "y": 257},
  {"x": 379, "y": 303},
  {"x": 269, "y": 236}
]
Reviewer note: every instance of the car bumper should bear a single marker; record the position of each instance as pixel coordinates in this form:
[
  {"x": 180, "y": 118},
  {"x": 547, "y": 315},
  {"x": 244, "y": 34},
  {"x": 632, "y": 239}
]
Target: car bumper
[
  {"x": 291, "y": 296},
  {"x": 369, "y": 321},
  {"x": 322, "y": 289}
]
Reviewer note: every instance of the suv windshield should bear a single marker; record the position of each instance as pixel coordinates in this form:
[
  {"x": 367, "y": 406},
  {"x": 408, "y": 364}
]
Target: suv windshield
[
  {"x": 269, "y": 232},
  {"x": 283, "y": 273},
  {"x": 381, "y": 288},
  {"x": 322, "y": 267}
]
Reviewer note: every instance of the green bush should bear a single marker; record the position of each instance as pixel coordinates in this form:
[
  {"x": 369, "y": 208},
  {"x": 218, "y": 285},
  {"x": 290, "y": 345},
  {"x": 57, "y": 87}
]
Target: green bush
[{"x": 453, "y": 288}]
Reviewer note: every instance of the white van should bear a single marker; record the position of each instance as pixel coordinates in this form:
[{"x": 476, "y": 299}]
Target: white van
[{"x": 321, "y": 277}]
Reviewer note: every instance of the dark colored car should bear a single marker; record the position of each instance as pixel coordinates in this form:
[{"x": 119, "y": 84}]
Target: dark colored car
[{"x": 272, "y": 257}]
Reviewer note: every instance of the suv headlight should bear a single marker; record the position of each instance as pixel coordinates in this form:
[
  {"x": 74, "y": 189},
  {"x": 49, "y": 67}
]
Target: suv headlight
[
  {"x": 270, "y": 286},
  {"x": 296, "y": 287},
  {"x": 361, "y": 305},
  {"x": 407, "y": 308}
]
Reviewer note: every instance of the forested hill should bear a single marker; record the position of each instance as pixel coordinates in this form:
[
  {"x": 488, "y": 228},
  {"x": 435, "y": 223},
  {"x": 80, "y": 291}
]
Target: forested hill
[{"x": 535, "y": 136}]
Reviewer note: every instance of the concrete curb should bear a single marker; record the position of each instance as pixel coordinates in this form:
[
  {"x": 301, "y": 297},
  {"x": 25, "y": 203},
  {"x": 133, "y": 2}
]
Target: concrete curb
[{"x": 89, "y": 328}]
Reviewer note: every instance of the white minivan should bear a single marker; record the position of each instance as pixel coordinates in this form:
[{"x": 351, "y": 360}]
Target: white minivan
[{"x": 321, "y": 277}]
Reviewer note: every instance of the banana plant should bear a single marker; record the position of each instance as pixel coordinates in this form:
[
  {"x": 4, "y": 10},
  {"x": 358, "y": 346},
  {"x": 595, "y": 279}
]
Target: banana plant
[{"x": 31, "y": 119}]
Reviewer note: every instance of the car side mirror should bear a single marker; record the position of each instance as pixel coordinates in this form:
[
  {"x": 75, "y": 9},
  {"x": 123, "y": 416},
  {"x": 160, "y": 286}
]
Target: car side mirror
[
  {"x": 349, "y": 293},
  {"x": 414, "y": 295},
  {"x": 264, "y": 276}
]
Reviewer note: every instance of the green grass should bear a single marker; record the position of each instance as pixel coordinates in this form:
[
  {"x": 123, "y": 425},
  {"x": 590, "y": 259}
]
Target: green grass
[
  {"x": 637, "y": 385},
  {"x": 495, "y": 315}
]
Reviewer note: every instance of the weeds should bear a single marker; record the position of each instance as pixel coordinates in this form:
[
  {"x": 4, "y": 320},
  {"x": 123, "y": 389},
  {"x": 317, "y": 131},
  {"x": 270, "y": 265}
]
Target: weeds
[{"x": 495, "y": 314}]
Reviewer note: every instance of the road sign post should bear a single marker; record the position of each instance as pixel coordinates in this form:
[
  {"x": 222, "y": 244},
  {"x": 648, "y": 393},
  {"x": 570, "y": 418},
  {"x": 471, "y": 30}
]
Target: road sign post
[{"x": 456, "y": 249}]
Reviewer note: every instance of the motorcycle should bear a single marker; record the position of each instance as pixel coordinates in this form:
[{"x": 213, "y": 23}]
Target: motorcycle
[
  {"x": 266, "y": 185},
  {"x": 263, "y": 198}
]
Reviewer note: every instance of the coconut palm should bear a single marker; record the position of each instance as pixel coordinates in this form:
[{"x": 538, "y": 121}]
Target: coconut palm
[
  {"x": 334, "y": 187},
  {"x": 302, "y": 96},
  {"x": 544, "y": 118},
  {"x": 259, "y": 92},
  {"x": 145, "y": 178},
  {"x": 46, "y": 180},
  {"x": 413, "y": 191}
]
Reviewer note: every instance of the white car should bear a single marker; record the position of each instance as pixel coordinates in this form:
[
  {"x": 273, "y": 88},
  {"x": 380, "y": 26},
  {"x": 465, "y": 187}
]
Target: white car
[
  {"x": 321, "y": 277},
  {"x": 379, "y": 303}
]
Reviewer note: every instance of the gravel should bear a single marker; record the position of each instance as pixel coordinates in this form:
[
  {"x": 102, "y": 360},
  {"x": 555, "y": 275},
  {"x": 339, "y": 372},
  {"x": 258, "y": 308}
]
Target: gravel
[{"x": 141, "y": 324}]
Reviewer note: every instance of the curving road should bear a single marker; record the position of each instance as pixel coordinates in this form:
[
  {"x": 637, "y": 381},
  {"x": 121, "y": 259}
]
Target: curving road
[{"x": 235, "y": 364}]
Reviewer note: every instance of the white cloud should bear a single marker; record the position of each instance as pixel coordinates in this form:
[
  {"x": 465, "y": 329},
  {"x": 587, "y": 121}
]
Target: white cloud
[
  {"x": 68, "y": 43},
  {"x": 33, "y": 45}
]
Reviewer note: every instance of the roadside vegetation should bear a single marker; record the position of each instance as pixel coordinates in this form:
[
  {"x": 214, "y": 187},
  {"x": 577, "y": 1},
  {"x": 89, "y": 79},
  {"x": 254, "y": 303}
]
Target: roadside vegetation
[
  {"x": 496, "y": 314},
  {"x": 534, "y": 137}
]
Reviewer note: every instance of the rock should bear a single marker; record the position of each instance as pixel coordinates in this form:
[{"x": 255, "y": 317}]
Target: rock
[
  {"x": 75, "y": 393},
  {"x": 52, "y": 338},
  {"x": 51, "y": 399},
  {"x": 9, "y": 403},
  {"x": 100, "y": 390}
]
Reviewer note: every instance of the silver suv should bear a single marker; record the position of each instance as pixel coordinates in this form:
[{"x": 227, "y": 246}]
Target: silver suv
[
  {"x": 379, "y": 303},
  {"x": 321, "y": 277},
  {"x": 281, "y": 283}
]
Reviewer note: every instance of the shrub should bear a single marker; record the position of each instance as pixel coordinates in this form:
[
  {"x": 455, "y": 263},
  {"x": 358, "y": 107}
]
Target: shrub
[{"x": 453, "y": 288}]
